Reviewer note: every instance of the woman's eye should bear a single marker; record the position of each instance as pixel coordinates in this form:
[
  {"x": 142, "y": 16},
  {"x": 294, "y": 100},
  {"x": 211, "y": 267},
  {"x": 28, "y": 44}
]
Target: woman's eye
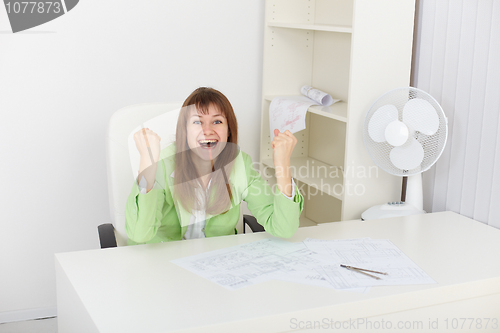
[
  {"x": 218, "y": 122},
  {"x": 197, "y": 122}
]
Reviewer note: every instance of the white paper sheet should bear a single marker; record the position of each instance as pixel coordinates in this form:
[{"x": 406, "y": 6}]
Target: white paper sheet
[
  {"x": 243, "y": 265},
  {"x": 288, "y": 113},
  {"x": 313, "y": 262},
  {"x": 374, "y": 254}
]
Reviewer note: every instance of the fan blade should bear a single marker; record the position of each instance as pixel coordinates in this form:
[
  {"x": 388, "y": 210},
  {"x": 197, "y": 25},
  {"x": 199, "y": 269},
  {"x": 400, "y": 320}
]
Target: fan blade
[
  {"x": 421, "y": 116},
  {"x": 409, "y": 156},
  {"x": 379, "y": 121}
]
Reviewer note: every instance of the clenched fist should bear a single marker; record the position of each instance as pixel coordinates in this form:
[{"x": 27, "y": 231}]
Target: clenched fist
[
  {"x": 283, "y": 145},
  {"x": 148, "y": 144}
]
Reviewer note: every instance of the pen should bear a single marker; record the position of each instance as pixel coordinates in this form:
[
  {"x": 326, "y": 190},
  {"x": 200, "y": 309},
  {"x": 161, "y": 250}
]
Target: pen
[{"x": 363, "y": 271}]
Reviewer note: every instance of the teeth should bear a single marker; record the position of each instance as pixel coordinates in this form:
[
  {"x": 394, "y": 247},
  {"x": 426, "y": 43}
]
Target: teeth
[{"x": 207, "y": 141}]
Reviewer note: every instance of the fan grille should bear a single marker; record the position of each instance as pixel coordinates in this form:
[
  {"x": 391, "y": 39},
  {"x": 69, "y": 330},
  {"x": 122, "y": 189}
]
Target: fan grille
[{"x": 433, "y": 145}]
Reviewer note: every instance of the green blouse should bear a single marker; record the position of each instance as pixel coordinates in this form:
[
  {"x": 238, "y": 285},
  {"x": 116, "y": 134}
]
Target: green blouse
[{"x": 154, "y": 217}]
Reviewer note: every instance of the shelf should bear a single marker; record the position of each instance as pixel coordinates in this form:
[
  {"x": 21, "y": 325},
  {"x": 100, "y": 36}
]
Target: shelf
[
  {"x": 342, "y": 47},
  {"x": 314, "y": 27},
  {"x": 316, "y": 174},
  {"x": 337, "y": 111}
]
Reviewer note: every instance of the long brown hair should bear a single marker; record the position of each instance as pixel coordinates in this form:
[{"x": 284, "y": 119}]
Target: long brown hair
[{"x": 186, "y": 174}]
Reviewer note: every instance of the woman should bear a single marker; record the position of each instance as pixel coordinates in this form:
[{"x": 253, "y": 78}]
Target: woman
[{"x": 194, "y": 188}]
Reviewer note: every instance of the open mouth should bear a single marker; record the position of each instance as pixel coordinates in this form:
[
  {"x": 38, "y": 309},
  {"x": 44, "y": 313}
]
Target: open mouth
[{"x": 208, "y": 143}]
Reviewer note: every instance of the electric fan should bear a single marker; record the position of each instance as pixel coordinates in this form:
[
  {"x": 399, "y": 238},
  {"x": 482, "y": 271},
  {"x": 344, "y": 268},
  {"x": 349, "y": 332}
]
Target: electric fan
[{"x": 405, "y": 133}]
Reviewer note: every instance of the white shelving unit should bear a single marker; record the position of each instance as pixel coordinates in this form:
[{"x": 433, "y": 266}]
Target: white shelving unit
[{"x": 355, "y": 50}]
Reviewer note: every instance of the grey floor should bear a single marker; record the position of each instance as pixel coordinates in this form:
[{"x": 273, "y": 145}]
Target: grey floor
[{"x": 48, "y": 325}]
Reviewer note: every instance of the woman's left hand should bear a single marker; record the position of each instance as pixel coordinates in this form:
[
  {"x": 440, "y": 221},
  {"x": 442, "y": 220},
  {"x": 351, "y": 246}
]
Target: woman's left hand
[{"x": 283, "y": 144}]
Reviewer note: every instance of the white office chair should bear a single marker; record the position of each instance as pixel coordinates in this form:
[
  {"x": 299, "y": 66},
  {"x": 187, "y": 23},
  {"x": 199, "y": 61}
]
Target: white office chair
[{"x": 123, "y": 161}]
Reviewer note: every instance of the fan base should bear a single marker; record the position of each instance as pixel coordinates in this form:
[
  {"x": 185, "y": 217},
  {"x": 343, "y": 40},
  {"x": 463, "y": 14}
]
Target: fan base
[{"x": 390, "y": 209}]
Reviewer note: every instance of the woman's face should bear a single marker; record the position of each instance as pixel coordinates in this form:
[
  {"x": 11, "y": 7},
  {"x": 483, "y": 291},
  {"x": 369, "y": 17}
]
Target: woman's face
[{"x": 207, "y": 133}]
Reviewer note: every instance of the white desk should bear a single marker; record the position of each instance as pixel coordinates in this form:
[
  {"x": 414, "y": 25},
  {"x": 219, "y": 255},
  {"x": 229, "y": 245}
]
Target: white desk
[{"x": 137, "y": 289}]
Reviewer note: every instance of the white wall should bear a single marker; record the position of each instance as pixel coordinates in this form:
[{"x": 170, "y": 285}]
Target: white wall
[
  {"x": 458, "y": 56},
  {"x": 60, "y": 83}
]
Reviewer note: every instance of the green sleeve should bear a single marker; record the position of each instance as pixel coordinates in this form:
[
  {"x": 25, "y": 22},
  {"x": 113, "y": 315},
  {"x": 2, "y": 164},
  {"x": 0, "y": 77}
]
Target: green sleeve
[
  {"x": 145, "y": 212},
  {"x": 277, "y": 214}
]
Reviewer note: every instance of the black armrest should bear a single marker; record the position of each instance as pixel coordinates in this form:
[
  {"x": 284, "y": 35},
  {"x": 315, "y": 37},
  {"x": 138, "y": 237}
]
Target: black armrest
[
  {"x": 252, "y": 223},
  {"x": 107, "y": 231},
  {"x": 107, "y": 235}
]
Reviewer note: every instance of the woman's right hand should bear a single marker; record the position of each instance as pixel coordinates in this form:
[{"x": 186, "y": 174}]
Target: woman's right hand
[{"x": 148, "y": 144}]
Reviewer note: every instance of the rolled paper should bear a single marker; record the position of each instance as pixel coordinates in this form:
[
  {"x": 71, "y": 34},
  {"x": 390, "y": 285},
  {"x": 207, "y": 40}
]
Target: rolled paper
[{"x": 318, "y": 96}]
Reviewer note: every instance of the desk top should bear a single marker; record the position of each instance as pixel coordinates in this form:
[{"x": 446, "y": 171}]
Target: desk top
[{"x": 138, "y": 289}]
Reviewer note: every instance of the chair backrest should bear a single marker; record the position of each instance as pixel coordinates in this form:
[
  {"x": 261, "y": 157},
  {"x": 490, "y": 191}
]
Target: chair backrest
[{"x": 123, "y": 157}]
